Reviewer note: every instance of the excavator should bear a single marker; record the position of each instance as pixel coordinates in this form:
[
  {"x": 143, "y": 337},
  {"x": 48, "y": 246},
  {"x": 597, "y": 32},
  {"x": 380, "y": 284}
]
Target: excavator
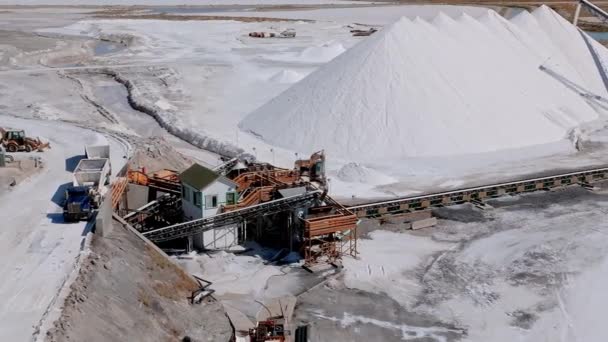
[{"x": 14, "y": 140}]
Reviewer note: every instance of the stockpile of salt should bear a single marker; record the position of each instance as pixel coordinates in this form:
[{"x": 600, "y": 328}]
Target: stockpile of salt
[{"x": 444, "y": 87}]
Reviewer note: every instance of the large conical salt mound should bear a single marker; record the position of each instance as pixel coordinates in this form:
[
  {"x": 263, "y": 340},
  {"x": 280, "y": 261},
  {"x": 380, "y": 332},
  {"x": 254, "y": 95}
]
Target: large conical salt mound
[
  {"x": 418, "y": 89},
  {"x": 565, "y": 49}
]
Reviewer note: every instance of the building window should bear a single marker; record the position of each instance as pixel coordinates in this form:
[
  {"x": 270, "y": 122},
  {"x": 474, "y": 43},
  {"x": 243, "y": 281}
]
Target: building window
[
  {"x": 186, "y": 193},
  {"x": 210, "y": 201},
  {"x": 230, "y": 198},
  {"x": 197, "y": 199}
]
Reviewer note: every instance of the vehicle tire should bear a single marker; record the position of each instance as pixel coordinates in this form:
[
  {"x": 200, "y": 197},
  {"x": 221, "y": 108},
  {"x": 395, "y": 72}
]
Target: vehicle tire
[
  {"x": 12, "y": 148},
  {"x": 28, "y": 148}
]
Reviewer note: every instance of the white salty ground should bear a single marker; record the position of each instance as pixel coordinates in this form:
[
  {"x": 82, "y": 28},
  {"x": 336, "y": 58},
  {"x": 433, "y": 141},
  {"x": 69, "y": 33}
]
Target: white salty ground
[
  {"x": 221, "y": 76},
  {"x": 39, "y": 250},
  {"x": 538, "y": 265},
  {"x": 530, "y": 270},
  {"x": 369, "y": 16},
  {"x": 242, "y": 281}
]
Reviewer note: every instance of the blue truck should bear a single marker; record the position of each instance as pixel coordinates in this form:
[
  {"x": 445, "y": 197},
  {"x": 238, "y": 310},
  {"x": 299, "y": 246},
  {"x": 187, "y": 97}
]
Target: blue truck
[
  {"x": 84, "y": 196},
  {"x": 78, "y": 204}
]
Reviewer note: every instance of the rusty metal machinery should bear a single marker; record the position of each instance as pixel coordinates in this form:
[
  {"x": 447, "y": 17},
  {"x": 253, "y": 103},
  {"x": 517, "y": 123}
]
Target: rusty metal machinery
[
  {"x": 163, "y": 180},
  {"x": 272, "y": 329},
  {"x": 330, "y": 232},
  {"x": 313, "y": 168}
]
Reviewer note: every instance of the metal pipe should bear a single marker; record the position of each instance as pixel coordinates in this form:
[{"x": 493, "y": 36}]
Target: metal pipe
[{"x": 577, "y": 12}]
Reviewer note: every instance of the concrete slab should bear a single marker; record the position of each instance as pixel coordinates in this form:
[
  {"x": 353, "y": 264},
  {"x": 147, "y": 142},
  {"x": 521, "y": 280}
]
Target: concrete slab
[{"x": 424, "y": 223}]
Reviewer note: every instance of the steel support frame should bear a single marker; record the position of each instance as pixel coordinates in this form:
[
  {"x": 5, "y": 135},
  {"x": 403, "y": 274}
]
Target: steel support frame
[{"x": 329, "y": 248}]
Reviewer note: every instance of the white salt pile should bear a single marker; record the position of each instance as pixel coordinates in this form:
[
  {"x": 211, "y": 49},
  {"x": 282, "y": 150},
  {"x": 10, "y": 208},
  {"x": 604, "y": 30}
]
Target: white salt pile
[
  {"x": 323, "y": 53},
  {"x": 357, "y": 173},
  {"x": 286, "y": 76},
  {"x": 313, "y": 54},
  {"x": 445, "y": 87}
]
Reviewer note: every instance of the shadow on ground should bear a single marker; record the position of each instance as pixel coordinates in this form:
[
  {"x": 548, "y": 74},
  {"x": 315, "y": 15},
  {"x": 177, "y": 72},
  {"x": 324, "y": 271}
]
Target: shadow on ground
[
  {"x": 72, "y": 162},
  {"x": 59, "y": 195}
]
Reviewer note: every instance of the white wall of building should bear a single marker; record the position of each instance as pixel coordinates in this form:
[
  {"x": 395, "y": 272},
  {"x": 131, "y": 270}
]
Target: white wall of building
[
  {"x": 219, "y": 238},
  {"x": 190, "y": 211},
  {"x": 220, "y": 187}
]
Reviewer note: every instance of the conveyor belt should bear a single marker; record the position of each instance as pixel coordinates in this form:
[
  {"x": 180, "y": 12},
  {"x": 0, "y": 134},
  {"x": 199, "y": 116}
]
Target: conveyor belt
[
  {"x": 595, "y": 10},
  {"x": 233, "y": 217},
  {"x": 419, "y": 202},
  {"x": 226, "y": 167}
]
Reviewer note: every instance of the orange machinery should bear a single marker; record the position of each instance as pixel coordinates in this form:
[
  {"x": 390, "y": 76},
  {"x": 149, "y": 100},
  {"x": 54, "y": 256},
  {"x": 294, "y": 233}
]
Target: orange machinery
[{"x": 165, "y": 180}]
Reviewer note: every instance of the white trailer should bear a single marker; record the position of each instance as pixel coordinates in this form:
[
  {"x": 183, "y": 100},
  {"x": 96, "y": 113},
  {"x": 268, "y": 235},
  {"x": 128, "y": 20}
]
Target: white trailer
[
  {"x": 94, "y": 173},
  {"x": 95, "y": 170},
  {"x": 97, "y": 151}
]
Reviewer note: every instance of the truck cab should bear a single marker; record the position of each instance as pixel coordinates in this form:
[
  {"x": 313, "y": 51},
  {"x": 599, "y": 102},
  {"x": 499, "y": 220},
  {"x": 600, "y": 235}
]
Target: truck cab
[
  {"x": 77, "y": 204},
  {"x": 18, "y": 136}
]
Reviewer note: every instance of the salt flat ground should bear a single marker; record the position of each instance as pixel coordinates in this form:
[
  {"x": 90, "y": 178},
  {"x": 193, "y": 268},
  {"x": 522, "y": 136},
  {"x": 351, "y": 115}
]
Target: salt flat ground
[
  {"x": 515, "y": 272},
  {"x": 39, "y": 250}
]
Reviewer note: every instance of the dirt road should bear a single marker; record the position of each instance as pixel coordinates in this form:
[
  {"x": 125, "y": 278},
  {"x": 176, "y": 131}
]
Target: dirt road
[{"x": 39, "y": 250}]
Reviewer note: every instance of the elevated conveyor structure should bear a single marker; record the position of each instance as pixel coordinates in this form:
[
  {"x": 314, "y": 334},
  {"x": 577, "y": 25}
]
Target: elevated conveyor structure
[
  {"x": 276, "y": 177},
  {"x": 594, "y": 9},
  {"x": 228, "y": 218},
  {"x": 226, "y": 167},
  {"x": 165, "y": 209},
  {"x": 421, "y": 202},
  {"x": 330, "y": 232}
]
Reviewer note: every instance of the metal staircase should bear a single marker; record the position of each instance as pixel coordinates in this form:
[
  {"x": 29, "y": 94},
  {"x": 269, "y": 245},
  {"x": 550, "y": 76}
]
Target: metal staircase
[{"x": 228, "y": 218}]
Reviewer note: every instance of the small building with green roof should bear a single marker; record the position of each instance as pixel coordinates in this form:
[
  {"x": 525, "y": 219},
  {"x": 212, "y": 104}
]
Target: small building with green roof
[{"x": 204, "y": 191}]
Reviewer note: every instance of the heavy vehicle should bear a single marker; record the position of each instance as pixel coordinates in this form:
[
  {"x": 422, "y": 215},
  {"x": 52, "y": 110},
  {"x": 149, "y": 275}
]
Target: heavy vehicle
[
  {"x": 14, "y": 140},
  {"x": 88, "y": 188},
  {"x": 78, "y": 205}
]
